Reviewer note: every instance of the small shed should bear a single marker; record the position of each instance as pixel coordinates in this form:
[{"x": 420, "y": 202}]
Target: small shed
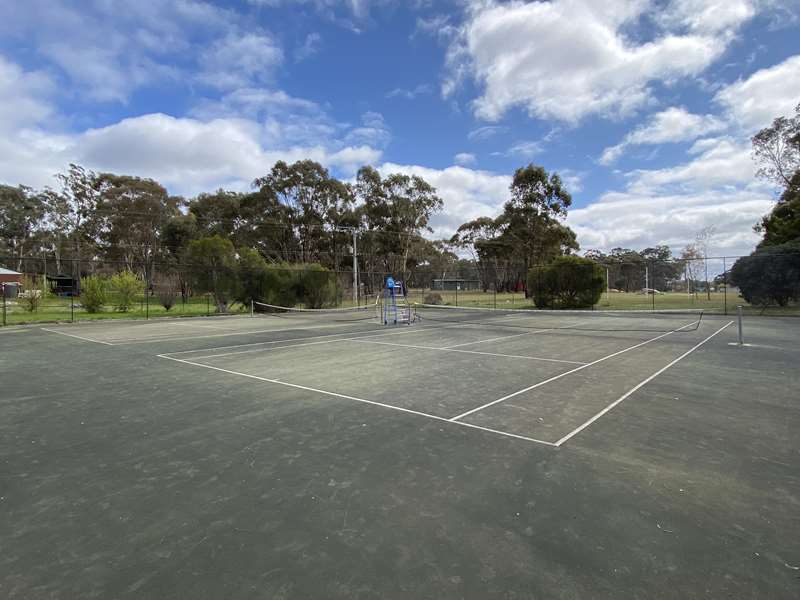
[
  {"x": 456, "y": 284},
  {"x": 10, "y": 283},
  {"x": 9, "y": 276},
  {"x": 62, "y": 285}
]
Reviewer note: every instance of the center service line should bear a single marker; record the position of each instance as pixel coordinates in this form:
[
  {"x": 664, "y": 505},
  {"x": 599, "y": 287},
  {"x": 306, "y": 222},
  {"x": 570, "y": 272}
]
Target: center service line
[{"x": 564, "y": 374}]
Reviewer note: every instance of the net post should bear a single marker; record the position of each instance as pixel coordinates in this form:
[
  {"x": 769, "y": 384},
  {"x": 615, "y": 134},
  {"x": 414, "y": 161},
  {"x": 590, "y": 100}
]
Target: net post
[
  {"x": 252, "y": 310},
  {"x": 739, "y": 322},
  {"x": 3, "y": 292}
]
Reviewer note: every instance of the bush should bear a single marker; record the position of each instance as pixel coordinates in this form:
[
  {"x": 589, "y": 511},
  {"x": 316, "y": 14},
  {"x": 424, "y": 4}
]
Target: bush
[
  {"x": 126, "y": 287},
  {"x": 567, "y": 282},
  {"x": 433, "y": 298},
  {"x": 33, "y": 294},
  {"x": 770, "y": 275},
  {"x": 167, "y": 289},
  {"x": 93, "y": 293},
  {"x": 213, "y": 269},
  {"x": 289, "y": 284}
]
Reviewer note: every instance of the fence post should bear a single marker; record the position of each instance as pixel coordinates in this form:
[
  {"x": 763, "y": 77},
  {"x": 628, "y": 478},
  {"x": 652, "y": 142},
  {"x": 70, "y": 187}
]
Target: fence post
[
  {"x": 724, "y": 286},
  {"x": 739, "y": 319},
  {"x": 72, "y": 304},
  {"x": 208, "y": 305},
  {"x": 3, "y": 291},
  {"x": 146, "y": 300}
]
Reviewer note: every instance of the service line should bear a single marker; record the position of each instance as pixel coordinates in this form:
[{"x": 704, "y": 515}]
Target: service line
[
  {"x": 564, "y": 374},
  {"x": 580, "y": 428},
  {"x": 362, "y": 400}
]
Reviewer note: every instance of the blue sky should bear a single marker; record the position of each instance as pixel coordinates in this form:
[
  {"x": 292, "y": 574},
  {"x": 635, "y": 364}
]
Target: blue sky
[{"x": 644, "y": 108}]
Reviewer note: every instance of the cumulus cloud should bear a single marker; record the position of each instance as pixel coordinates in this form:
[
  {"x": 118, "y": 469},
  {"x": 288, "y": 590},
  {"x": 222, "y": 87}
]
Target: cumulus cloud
[
  {"x": 23, "y": 96},
  {"x": 631, "y": 220},
  {"x": 467, "y": 193},
  {"x": 755, "y": 101},
  {"x": 721, "y": 162},
  {"x": 187, "y": 154},
  {"x": 107, "y": 54},
  {"x": 567, "y": 59},
  {"x": 674, "y": 124}
]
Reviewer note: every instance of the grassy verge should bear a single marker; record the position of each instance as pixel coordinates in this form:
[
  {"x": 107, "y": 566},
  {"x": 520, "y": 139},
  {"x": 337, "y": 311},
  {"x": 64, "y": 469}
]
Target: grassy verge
[{"x": 61, "y": 309}]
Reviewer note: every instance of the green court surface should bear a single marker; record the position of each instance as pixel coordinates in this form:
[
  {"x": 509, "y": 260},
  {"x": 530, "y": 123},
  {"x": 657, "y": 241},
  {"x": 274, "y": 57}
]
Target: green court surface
[{"x": 274, "y": 457}]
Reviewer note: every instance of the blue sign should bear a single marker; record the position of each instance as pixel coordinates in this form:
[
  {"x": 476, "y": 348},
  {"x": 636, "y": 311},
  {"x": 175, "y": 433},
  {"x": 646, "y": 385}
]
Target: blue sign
[{"x": 390, "y": 282}]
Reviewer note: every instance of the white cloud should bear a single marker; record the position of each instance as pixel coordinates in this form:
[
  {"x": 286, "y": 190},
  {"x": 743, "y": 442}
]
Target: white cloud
[
  {"x": 214, "y": 148},
  {"x": 239, "y": 60},
  {"x": 105, "y": 54},
  {"x": 631, "y": 220},
  {"x": 754, "y": 102},
  {"x": 525, "y": 149},
  {"x": 464, "y": 159},
  {"x": 719, "y": 163},
  {"x": 707, "y": 16},
  {"x": 373, "y": 131},
  {"x": 570, "y": 58},
  {"x": 22, "y": 96},
  {"x": 309, "y": 48},
  {"x": 674, "y": 124},
  {"x": 422, "y": 88},
  {"x": 486, "y": 132},
  {"x": 467, "y": 193}
]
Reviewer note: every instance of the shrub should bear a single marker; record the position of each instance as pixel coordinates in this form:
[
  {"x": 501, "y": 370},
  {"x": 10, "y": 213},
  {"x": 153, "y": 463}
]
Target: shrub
[
  {"x": 93, "y": 293},
  {"x": 167, "y": 289},
  {"x": 213, "y": 268},
  {"x": 770, "y": 275},
  {"x": 567, "y": 282},
  {"x": 34, "y": 292},
  {"x": 433, "y": 298},
  {"x": 126, "y": 287}
]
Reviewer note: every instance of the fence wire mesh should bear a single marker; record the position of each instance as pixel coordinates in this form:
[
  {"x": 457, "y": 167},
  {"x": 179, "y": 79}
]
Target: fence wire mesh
[{"x": 50, "y": 288}]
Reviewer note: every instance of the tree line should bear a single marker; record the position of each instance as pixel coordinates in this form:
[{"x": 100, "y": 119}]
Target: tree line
[{"x": 296, "y": 214}]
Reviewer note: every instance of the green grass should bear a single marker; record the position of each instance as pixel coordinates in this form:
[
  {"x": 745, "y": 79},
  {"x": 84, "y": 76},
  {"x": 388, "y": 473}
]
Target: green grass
[
  {"x": 57, "y": 309},
  {"x": 717, "y": 302}
]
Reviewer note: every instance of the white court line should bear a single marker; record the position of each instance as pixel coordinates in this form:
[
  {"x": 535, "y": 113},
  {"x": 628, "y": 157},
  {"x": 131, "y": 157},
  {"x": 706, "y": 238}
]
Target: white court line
[
  {"x": 303, "y": 339},
  {"x": 338, "y": 339},
  {"x": 72, "y": 335},
  {"x": 643, "y": 383},
  {"x": 451, "y": 349},
  {"x": 506, "y": 337},
  {"x": 128, "y": 341},
  {"x": 346, "y": 397},
  {"x": 570, "y": 372}
]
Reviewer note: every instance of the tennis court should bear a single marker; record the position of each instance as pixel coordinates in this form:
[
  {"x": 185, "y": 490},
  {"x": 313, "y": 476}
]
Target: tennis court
[{"x": 468, "y": 454}]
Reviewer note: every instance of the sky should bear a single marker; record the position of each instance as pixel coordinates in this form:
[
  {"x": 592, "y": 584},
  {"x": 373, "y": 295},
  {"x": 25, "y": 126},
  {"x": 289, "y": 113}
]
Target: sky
[{"x": 645, "y": 108}]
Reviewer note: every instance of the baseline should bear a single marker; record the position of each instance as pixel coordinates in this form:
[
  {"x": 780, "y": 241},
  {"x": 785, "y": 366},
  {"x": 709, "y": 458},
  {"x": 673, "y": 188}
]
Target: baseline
[
  {"x": 452, "y": 349},
  {"x": 72, "y": 335},
  {"x": 644, "y": 382}
]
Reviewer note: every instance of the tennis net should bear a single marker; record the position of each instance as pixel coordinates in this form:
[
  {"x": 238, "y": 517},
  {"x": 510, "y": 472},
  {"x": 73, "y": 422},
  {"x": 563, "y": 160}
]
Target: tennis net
[
  {"x": 369, "y": 312},
  {"x": 582, "y": 320}
]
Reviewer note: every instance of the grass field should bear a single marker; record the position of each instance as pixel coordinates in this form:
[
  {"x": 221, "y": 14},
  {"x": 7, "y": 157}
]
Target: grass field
[
  {"x": 55, "y": 309},
  {"x": 718, "y": 302}
]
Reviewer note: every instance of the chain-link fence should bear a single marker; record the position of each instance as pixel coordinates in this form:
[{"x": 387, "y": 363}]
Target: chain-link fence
[{"x": 48, "y": 288}]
